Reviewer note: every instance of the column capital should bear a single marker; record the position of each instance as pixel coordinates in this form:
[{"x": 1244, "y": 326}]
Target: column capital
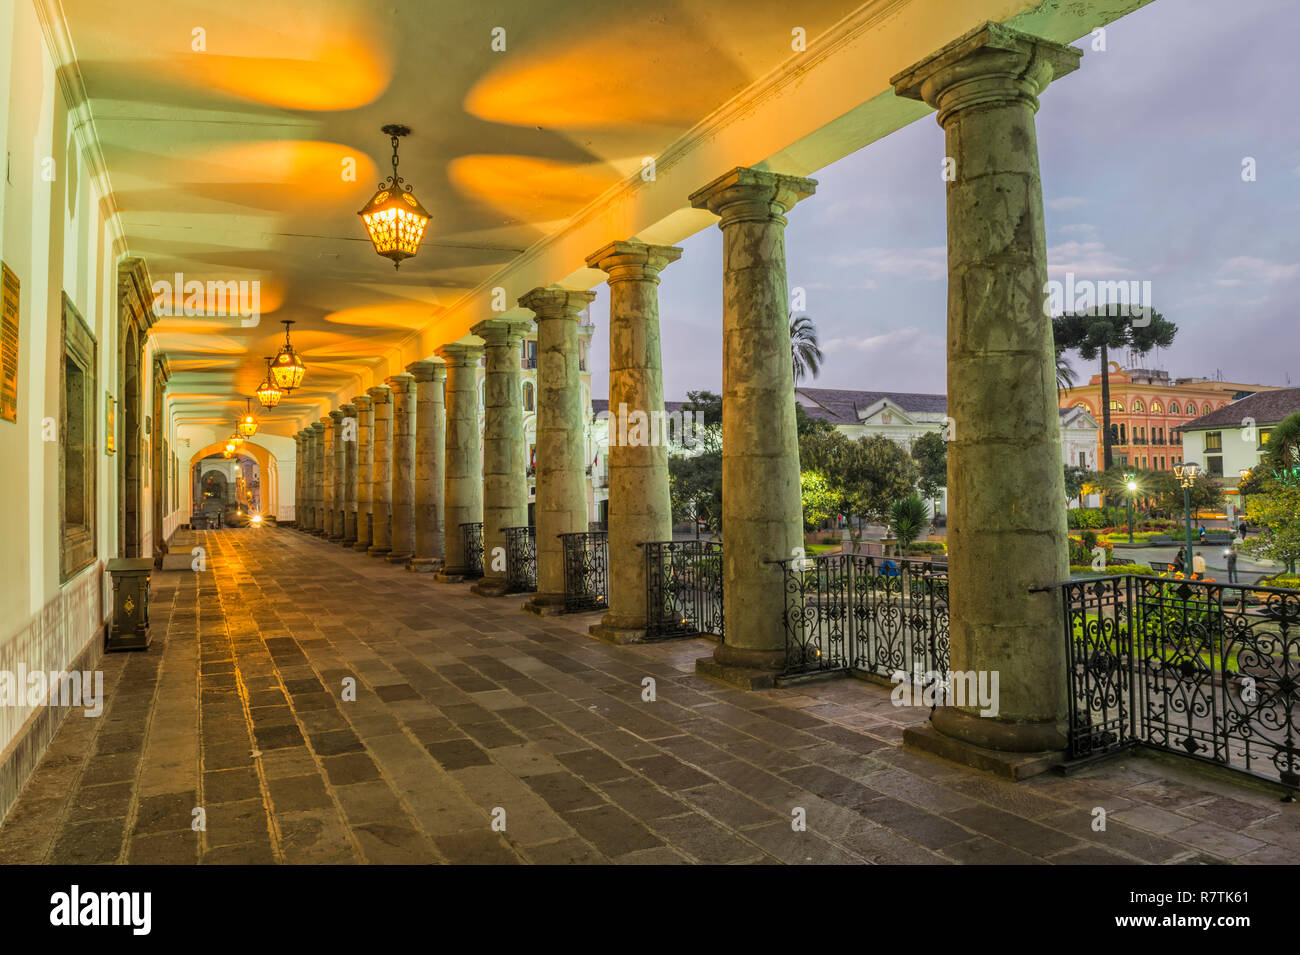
[
  {"x": 555, "y": 302},
  {"x": 381, "y": 394},
  {"x": 631, "y": 260},
  {"x": 425, "y": 371},
  {"x": 748, "y": 195},
  {"x": 349, "y": 410},
  {"x": 336, "y": 416},
  {"x": 459, "y": 354},
  {"x": 362, "y": 402},
  {"x": 401, "y": 383},
  {"x": 502, "y": 331},
  {"x": 990, "y": 64},
  {"x": 317, "y": 426}
]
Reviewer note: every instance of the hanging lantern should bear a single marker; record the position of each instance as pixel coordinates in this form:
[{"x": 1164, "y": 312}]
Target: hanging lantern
[
  {"x": 394, "y": 218},
  {"x": 247, "y": 424},
  {"x": 229, "y": 450},
  {"x": 287, "y": 368},
  {"x": 268, "y": 395},
  {"x": 236, "y": 440}
]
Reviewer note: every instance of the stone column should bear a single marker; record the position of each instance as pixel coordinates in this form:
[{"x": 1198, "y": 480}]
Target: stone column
[
  {"x": 317, "y": 479},
  {"x": 463, "y": 490},
  {"x": 327, "y": 476},
  {"x": 762, "y": 513},
  {"x": 299, "y": 505},
  {"x": 365, "y": 465},
  {"x": 348, "y": 437},
  {"x": 639, "y": 506},
  {"x": 403, "y": 542},
  {"x": 561, "y": 506},
  {"x": 1006, "y": 498},
  {"x": 381, "y": 472},
  {"x": 334, "y": 462},
  {"x": 430, "y": 470},
  {"x": 505, "y": 475}
]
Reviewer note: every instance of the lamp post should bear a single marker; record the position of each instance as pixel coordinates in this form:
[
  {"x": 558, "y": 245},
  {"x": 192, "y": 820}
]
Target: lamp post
[
  {"x": 1130, "y": 482},
  {"x": 1186, "y": 474},
  {"x": 1241, "y": 495}
]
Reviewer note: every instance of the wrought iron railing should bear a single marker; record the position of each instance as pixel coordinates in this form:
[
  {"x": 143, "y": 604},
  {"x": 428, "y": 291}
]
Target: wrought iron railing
[
  {"x": 521, "y": 559},
  {"x": 472, "y": 537},
  {"x": 1199, "y": 668},
  {"x": 586, "y": 571},
  {"x": 683, "y": 589},
  {"x": 876, "y": 615}
]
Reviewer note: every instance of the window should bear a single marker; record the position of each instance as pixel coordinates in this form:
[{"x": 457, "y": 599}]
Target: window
[
  {"x": 1083, "y": 459},
  {"x": 1214, "y": 465},
  {"x": 77, "y": 433},
  {"x": 1083, "y": 405},
  {"x": 1157, "y": 407},
  {"x": 530, "y": 355},
  {"x": 1214, "y": 441},
  {"x": 1173, "y": 407},
  {"x": 528, "y": 396},
  {"x": 1137, "y": 405},
  {"x": 1116, "y": 404},
  {"x": 1264, "y": 434}
]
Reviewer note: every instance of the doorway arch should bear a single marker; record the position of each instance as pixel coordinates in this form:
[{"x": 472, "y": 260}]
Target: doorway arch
[{"x": 268, "y": 476}]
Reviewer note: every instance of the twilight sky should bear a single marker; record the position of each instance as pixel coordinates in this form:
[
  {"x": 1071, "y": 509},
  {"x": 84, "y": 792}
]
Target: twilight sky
[{"x": 1141, "y": 152}]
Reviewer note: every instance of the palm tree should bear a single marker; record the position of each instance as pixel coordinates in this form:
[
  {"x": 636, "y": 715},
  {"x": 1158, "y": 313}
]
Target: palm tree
[
  {"x": 1064, "y": 373},
  {"x": 804, "y": 353}
]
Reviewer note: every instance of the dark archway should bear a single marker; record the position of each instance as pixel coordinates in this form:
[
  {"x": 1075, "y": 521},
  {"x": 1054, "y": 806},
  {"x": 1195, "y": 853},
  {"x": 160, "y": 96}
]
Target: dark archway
[{"x": 131, "y": 382}]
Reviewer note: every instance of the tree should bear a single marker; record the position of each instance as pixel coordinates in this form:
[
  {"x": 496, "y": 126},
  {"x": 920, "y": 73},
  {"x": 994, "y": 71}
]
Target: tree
[
  {"x": 806, "y": 424},
  {"x": 866, "y": 476},
  {"x": 1276, "y": 513},
  {"x": 805, "y": 355},
  {"x": 818, "y": 501},
  {"x": 906, "y": 518},
  {"x": 1095, "y": 333},
  {"x": 930, "y": 452},
  {"x": 695, "y": 481},
  {"x": 1064, "y": 373},
  {"x": 1075, "y": 480}
]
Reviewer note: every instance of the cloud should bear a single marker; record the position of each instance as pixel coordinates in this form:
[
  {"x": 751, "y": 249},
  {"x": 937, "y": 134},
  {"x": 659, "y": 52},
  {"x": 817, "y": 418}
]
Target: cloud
[
  {"x": 1259, "y": 270},
  {"x": 928, "y": 264},
  {"x": 1065, "y": 203},
  {"x": 1087, "y": 260},
  {"x": 911, "y": 338},
  {"x": 1082, "y": 228}
]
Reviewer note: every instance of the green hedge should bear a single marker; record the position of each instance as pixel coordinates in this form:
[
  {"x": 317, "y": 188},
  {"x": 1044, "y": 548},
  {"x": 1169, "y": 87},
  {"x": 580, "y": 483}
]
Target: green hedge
[{"x": 1087, "y": 570}]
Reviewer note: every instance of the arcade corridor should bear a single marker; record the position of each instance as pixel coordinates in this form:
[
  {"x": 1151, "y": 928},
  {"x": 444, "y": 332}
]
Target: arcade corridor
[{"x": 466, "y": 707}]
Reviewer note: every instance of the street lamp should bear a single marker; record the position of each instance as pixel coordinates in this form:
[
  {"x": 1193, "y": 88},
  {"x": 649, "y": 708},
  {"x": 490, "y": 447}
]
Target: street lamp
[
  {"x": 1186, "y": 474},
  {"x": 1130, "y": 482},
  {"x": 1241, "y": 495}
]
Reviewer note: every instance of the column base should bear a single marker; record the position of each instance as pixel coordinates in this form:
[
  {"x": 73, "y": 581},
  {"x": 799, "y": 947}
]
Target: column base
[
  {"x": 398, "y": 558},
  {"x": 490, "y": 587},
  {"x": 621, "y": 636},
  {"x": 349, "y": 542},
  {"x": 376, "y": 551},
  {"x": 361, "y": 545},
  {"x": 742, "y": 668},
  {"x": 1010, "y": 766},
  {"x": 1003, "y": 736},
  {"x": 544, "y": 605},
  {"x": 451, "y": 574},
  {"x": 424, "y": 565}
]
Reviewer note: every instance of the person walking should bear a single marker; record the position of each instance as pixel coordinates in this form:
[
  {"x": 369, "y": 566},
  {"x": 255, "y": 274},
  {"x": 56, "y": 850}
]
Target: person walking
[
  {"x": 1198, "y": 567},
  {"x": 1231, "y": 554},
  {"x": 1202, "y": 533}
]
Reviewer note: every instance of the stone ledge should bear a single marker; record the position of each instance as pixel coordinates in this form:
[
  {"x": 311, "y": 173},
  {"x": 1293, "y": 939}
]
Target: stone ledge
[
  {"x": 743, "y": 678},
  {"x": 616, "y": 636},
  {"x": 1013, "y": 766}
]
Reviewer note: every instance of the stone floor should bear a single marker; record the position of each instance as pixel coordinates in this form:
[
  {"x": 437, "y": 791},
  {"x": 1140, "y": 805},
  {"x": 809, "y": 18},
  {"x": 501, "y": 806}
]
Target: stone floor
[{"x": 467, "y": 710}]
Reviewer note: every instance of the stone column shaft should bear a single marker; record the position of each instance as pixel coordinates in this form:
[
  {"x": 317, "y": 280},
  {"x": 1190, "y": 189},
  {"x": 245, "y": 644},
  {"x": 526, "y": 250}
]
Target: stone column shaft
[
  {"x": 1006, "y": 498},
  {"x": 462, "y": 490},
  {"x": 317, "y": 479},
  {"x": 365, "y": 465},
  {"x": 505, "y": 474},
  {"x": 430, "y": 466},
  {"x": 334, "y": 434},
  {"x": 403, "y": 386},
  {"x": 327, "y": 477},
  {"x": 348, "y": 436},
  {"x": 561, "y": 506},
  {"x": 639, "y": 505},
  {"x": 762, "y": 513},
  {"x": 381, "y": 472}
]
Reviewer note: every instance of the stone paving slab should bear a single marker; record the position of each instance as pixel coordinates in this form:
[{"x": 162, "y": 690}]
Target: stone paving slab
[{"x": 304, "y": 704}]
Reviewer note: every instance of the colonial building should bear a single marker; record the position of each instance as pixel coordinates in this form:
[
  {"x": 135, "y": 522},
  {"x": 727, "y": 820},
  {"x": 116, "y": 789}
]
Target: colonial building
[{"x": 1148, "y": 409}]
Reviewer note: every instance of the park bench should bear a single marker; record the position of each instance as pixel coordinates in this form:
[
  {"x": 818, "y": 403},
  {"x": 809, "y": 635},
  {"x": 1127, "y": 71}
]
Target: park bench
[{"x": 1160, "y": 568}]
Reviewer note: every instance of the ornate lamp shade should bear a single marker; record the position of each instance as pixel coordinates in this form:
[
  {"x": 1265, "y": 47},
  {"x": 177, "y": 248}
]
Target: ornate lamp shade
[
  {"x": 268, "y": 395},
  {"x": 247, "y": 426},
  {"x": 235, "y": 441},
  {"x": 393, "y": 217},
  {"x": 287, "y": 369}
]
